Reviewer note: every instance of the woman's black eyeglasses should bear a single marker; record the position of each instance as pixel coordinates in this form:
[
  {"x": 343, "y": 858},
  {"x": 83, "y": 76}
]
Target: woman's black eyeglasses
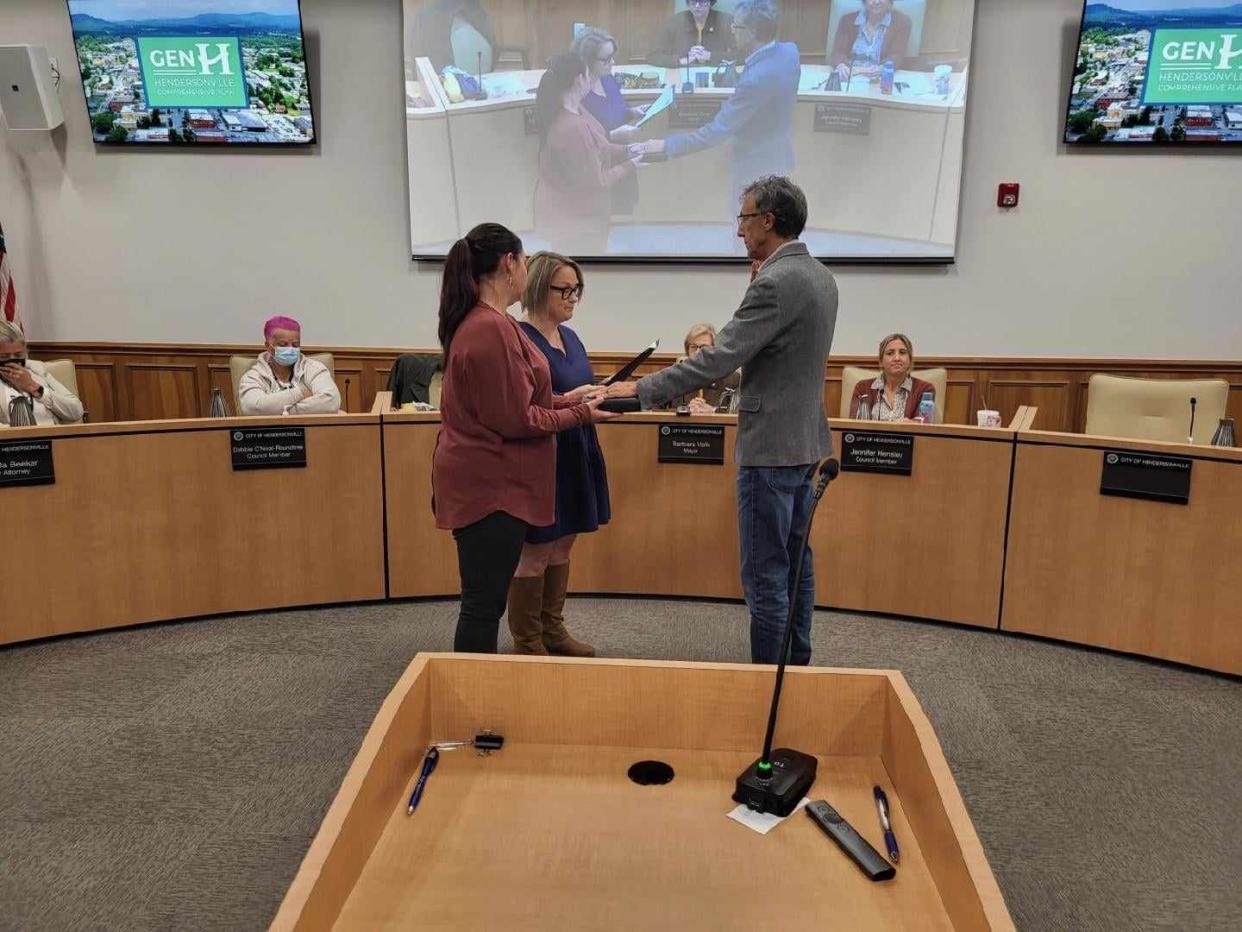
[{"x": 569, "y": 291}]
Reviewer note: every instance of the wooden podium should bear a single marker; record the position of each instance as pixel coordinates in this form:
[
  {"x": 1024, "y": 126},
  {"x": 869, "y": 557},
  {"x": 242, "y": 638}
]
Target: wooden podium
[{"x": 550, "y": 833}]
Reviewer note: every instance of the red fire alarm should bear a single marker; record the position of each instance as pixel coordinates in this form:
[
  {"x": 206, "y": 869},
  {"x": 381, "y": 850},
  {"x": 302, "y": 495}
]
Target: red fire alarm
[{"x": 1007, "y": 194}]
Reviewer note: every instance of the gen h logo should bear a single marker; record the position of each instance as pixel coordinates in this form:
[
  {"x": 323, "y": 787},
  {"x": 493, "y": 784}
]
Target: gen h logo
[
  {"x": 193, "y": 72},
  {"x": 177, "y": 60}
]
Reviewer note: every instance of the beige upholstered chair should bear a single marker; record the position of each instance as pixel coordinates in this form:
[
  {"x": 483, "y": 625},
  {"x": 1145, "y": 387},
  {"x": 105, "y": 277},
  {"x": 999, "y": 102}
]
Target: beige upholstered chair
[
  {"x": 435, "y": 388},
  {"x": 852, "y": 375},
  {"x": 64, "y": 372},
  {"x": 1154, "y": 409},
  {"x": 239, "y": 364}
]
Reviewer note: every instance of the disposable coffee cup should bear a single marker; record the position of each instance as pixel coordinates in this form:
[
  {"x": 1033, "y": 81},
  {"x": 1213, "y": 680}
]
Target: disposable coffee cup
[
  {"x": 988, "y": 418},
  {"x": 940, "y": 77}
]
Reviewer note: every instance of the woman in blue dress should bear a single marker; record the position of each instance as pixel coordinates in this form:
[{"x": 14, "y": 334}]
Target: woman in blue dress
[
  {"x": 598, "y": 51},
  {"x": 537, "y": 593}
]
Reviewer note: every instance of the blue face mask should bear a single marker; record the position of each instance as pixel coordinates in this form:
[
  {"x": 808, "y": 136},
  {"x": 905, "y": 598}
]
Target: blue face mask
[{"x": 286, "y": 355}]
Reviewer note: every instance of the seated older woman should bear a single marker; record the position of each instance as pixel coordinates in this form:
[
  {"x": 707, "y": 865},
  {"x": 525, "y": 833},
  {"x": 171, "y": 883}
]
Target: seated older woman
[
  {"x": 894, "y": 394},
  {"x": 707, "y": 400},
  {"x": 20, "y": 377}
]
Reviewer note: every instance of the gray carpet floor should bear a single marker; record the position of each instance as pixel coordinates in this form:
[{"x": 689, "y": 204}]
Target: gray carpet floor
[{"x": 172, "y": 777}]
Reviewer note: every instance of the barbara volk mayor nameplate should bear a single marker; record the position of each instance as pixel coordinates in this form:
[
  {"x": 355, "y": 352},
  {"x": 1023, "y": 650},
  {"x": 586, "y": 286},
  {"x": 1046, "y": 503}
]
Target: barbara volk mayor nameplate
[
  {"x": 268, "y": 447},
  {"x": 877, "y": 451},
  {"x": 691, "y": 443},
  {"x": 1134, "y": 474},
  {"x": 26, "y": 462}
]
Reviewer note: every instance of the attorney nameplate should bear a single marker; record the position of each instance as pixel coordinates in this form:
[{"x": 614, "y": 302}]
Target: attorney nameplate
[{"x": 26, "y": 462}]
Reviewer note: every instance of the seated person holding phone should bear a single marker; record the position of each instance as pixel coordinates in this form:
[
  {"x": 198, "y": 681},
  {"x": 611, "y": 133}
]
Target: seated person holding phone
[
  {"x": 721, "y": 393},
  {"x": 895, "y": 394},
  {"x": 51, "y": 402},
  {"x": 283, "y": 381}
]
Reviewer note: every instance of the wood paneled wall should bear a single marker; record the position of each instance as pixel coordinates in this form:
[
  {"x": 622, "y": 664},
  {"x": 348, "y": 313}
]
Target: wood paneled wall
[
  {"x": 134, "y": 382},
  {"x": 541, "y": 28}
]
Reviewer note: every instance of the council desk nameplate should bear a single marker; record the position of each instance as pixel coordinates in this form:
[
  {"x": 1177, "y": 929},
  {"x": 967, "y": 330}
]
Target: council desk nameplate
[
  {"x": 26, "y": 462},
  {"x": 1153, "y": 476},
  {"x": 702, "y": 444},
  {"x": 877, "y": 451},
  {"x": 268, "y": 447},
  {"x": 853, "y": 119},
  {"x": 691, "y": 113}
]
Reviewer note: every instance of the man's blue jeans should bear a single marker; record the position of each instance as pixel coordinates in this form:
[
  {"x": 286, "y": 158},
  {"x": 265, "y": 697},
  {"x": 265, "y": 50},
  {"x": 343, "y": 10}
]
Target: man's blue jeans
[{"x": 773, "y": 511}]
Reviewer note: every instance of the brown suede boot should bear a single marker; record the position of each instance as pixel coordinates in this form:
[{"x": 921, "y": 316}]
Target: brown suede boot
[
  {"x": 555, "y": 638},
  {"x": 525, "y": 601}
]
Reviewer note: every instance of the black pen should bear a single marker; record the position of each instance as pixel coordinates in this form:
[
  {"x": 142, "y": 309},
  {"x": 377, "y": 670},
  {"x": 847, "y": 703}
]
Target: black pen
[
  {"x": 890, "y": 840},
  {"x": 429, "y": 764}
]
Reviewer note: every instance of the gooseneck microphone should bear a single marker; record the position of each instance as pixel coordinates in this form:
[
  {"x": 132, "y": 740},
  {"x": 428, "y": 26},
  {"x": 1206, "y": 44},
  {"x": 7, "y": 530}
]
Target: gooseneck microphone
[
  {"x": 1190, "y": 437},
  {"x": 347, "y": 394},
  {"x": 779, "y": 779}
]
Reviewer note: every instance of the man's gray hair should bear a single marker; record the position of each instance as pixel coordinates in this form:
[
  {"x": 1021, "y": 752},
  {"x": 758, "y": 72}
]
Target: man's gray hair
[
  {"x": 762, "y": 16},
  {"x": 784, "y": 200},
  {"x": 11, "y": 333}
]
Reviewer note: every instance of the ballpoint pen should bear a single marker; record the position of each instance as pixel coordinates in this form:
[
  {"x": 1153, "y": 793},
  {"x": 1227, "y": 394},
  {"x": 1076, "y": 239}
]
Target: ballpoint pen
[
  {"x": 429, "y": 764},
  {"x": 890, "y": 840}
]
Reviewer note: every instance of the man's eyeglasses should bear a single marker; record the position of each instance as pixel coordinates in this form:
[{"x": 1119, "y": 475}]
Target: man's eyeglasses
[
  {"x": 758, "y": 213},
  {"x": 569, "y": 291},
  {"x": 606, "y": 59}
]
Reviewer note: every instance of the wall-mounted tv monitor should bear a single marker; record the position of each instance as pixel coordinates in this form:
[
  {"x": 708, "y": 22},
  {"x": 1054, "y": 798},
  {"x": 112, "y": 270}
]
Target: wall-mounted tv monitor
[
  {"x": 861, "y": 102},
  {"x": 194, "y": 72},
  {"x": 1158, "y": 72}
]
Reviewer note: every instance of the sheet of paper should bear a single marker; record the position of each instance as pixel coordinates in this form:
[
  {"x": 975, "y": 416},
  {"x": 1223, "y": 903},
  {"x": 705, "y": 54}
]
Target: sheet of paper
[
  {"x": 658, "y": 105},
  {"x": 762, "y": 822}
]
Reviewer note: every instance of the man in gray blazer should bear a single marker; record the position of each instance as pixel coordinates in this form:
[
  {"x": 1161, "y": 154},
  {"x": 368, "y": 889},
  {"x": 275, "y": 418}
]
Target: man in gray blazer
[{"x": 779, "y": 337}]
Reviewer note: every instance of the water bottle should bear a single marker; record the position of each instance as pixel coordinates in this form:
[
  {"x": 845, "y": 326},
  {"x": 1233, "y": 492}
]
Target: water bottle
[
  {"x": 216, "y": 407},
  {"x": 1224, "y": 433},
  {"x": 887, "y": 74},
  {"x": 864, "y": 409},
  {"x": 927, "y": 409}
]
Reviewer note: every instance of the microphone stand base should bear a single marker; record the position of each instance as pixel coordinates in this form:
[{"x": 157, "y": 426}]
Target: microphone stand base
[{"x": 780, "y": 789}]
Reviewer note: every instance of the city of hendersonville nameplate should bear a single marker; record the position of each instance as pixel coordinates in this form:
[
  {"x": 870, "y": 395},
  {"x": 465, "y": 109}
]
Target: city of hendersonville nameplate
[
  {"x": 877, "y": 451},
  {"x": 268, "y": 447},
  {"x": 852, "y": 119},
  {"x": 26, "y": 462},
  {"x": 1154, "y": 476},
  {"x": 691, "y": 443}
]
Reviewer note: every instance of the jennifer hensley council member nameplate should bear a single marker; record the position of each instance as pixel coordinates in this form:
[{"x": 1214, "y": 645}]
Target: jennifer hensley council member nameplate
[
  {"x": 877, "y": 451},
  {"x": 26, "y": 462},
  {"x": 268, "y": 447}
]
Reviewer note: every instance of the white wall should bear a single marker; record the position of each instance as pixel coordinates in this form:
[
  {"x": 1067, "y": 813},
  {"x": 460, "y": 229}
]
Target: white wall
[{"x": 1110, "y": 254}]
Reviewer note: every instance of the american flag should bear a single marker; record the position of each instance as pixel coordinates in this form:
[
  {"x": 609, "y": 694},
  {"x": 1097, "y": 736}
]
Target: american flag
[{"x": 8, "y": 292}]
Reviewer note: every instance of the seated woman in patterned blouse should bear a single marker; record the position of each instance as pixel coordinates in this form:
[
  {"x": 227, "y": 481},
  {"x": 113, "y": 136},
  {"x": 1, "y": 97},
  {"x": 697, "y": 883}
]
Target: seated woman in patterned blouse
[{"x": 894, "y": 394}]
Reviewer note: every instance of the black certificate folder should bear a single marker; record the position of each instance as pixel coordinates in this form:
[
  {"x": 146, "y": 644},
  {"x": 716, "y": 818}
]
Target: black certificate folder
[{"x": 629, "y": 368}]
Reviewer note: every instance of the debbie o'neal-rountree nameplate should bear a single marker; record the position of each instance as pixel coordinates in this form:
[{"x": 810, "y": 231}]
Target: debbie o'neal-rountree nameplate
[
  {"x": 1135, "y": 474},
  {"x": 877, "y": 451},
  {"x": 26, "y": 462},
  {"x": 268, "y": 447}
]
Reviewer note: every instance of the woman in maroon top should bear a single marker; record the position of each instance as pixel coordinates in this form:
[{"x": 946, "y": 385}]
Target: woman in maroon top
[
  {"x": 578, "y": 165},
  {"x": 493, "y": 474}
]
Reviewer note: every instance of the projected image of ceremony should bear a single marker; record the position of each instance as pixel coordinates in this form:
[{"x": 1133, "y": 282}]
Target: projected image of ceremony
[{"x": 629, "y": 130}]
